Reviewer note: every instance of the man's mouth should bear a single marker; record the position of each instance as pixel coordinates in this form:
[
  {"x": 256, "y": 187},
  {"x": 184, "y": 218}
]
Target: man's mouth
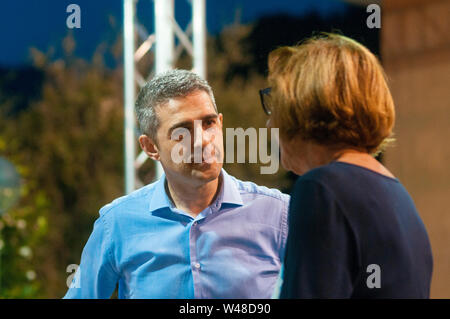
[{"x": 203, "y": 162}]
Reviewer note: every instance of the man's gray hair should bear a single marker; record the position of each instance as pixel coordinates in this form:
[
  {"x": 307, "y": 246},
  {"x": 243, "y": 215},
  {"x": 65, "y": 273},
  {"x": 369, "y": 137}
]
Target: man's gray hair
[{"x": 162, "y": 88}]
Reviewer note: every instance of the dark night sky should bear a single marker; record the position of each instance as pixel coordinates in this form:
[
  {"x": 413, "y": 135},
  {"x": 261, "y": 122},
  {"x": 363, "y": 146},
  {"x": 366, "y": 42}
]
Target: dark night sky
[{"x": 42, "y": 23}]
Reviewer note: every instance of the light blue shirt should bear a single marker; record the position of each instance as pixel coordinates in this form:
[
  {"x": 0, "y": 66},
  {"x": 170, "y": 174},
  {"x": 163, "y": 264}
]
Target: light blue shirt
[{"x": 151, "y": 249}]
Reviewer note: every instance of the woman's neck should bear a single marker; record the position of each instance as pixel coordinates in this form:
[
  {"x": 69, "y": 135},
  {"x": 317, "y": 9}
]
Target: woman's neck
[
  {"x": 314, "y": 155},
  {"x": 318, "y": 155},
  {"x": 364, "y": 160}
]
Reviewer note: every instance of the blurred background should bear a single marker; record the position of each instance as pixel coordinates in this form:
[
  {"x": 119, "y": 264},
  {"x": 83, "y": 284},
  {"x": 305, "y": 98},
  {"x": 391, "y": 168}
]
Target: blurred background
[{"x": 61, "y": 113}]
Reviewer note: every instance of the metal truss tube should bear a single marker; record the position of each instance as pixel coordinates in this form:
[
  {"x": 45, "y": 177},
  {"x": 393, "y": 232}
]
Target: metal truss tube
[
  {"x": 165, "y": 41},
  {"x": 129, "y": 94},
  {"x": 164, "y": 46},
  {"x": 199, "y": 36}
]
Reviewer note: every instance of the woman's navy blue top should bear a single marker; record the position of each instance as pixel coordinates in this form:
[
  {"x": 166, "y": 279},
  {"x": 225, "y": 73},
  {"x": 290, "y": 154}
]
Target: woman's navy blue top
[{"x": 354, "y": 233}]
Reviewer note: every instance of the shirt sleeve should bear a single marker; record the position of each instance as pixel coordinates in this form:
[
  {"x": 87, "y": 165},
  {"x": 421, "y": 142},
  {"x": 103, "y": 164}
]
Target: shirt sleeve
[
  {"x": 321, "y": 254},
  {"x": 95, "y": 278}
]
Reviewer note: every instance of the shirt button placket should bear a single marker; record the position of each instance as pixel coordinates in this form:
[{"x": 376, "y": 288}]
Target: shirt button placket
[{"x": 195, "y": 264}]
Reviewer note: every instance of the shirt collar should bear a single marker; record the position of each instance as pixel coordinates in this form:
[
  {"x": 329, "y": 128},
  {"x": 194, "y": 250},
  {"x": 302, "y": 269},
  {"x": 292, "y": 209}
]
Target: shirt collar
[
  {"x": 159, "y": 198},
  {"x": 229, "y": 194}
]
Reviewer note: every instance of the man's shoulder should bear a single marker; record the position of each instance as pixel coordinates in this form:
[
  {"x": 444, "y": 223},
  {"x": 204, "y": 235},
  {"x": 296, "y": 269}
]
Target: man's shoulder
[
  {"x": 136, "y": 200},
  {"x": 265, "y": 205},
  {"x": 254, "y": 190}
]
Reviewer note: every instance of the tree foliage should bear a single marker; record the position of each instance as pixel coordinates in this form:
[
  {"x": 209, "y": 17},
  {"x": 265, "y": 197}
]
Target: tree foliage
[{"x": 70, "y": 145}]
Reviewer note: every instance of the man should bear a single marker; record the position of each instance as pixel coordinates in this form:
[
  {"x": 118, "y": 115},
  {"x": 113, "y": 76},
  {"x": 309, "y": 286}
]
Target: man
[{"x": 195, "y": 233}]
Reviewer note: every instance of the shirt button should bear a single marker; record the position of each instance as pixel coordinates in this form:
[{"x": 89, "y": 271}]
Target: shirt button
[
  {"x": 194, "y": 224},
  {"x": 197, "y": 265}
]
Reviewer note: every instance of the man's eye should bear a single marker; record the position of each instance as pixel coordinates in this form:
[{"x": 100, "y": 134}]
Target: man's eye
[
  {"x": 179, "y": 133},
  {"x": 209, "y": 122}
]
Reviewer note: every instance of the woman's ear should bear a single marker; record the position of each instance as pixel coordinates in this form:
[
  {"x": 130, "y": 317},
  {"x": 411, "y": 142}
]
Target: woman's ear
[{"x": 149, "y": 147}]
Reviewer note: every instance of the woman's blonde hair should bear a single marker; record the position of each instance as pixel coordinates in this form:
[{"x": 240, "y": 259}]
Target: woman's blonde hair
[{"x": 332, "y": 90}]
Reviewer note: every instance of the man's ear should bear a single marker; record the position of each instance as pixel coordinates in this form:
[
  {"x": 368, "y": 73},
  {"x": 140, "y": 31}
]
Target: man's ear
[
  {"x": 221, "y": 119},
  {"x": 149, "y": 147}
]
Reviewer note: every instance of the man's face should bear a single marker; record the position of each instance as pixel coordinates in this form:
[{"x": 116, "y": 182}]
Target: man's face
[{"x": 190, "y": 126}]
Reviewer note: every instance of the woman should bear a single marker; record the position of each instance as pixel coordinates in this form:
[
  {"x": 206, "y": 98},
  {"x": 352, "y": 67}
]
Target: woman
[{"x": 354, "y": 231}]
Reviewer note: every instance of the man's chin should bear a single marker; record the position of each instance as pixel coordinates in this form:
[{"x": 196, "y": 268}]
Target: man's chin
[{"x": 205, "y": 170}]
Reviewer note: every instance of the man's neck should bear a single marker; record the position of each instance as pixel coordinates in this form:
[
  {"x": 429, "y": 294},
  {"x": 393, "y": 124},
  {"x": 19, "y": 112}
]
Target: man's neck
[{"x": 193, "y": 200}]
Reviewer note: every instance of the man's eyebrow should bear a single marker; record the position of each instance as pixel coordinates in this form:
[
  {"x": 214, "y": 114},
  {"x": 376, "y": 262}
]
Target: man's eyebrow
[
  {"x": 210, "y": 117},
  {"x": 189, "y": 123},
  {"x": 180, "y": 124}
]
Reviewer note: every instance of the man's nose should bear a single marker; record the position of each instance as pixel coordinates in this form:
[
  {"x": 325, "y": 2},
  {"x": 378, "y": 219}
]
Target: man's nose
[{"x": 202, "y": 137}]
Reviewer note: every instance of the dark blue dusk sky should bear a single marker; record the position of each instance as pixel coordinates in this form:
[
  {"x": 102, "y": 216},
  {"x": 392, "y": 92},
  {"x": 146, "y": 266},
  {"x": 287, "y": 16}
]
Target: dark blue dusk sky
[{"x": 42, "y": 23}]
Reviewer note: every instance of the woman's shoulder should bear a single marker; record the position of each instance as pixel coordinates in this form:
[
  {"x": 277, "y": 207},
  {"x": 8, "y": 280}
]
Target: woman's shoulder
[
  {"x": 342, "y": 179},
  {"x": 344, "y": 172},
  {"x": 363, "y": 196}
]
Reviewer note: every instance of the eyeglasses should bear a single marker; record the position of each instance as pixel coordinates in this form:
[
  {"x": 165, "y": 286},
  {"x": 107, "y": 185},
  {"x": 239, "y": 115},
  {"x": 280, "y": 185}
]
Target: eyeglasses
[{"x": 264, "y": 94}]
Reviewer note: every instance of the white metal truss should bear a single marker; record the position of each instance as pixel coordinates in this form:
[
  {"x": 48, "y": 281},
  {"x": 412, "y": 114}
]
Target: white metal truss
[{"x": 166, "y": 54}]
